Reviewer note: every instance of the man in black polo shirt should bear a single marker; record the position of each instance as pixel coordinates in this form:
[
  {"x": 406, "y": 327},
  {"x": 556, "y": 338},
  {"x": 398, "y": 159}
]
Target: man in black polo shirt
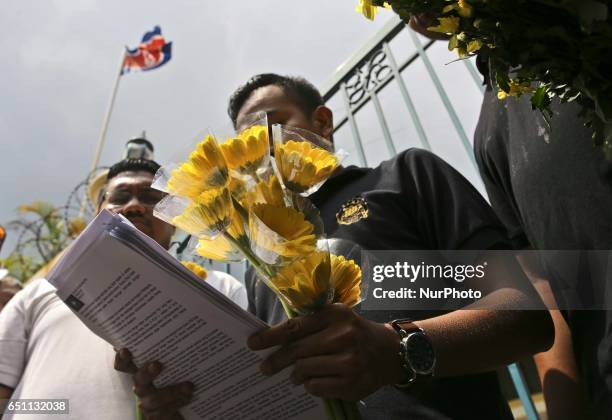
[{"x": 416, "y": 202}]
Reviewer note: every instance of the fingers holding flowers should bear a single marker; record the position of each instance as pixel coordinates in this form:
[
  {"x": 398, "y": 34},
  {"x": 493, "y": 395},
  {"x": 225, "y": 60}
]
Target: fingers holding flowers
[{"x": 330, "y": 349}]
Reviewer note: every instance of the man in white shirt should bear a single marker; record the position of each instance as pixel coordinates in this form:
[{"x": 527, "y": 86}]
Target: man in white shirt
[{"x": 46, "y": 352}]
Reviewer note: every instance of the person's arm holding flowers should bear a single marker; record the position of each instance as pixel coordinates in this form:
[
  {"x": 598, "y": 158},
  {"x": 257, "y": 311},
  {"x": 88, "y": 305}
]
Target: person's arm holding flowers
[
  {"x": 336, "y": 353},
  {"x": 239, "y": 207}
]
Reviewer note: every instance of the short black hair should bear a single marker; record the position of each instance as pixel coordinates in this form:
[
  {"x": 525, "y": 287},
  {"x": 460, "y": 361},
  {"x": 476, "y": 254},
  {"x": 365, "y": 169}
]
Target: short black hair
[
  {"x": 132, "y": 165},
  {"x": 127, "y": 165},
  {"x": 305, "y": 94}
]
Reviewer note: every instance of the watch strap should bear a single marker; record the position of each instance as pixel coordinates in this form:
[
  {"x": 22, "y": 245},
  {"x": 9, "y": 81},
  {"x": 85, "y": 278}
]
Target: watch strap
[{"x": 405, "y": 326}]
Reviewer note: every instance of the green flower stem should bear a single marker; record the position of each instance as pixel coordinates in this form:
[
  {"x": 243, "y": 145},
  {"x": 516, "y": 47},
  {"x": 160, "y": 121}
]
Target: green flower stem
[
  {"x": 290, "y": 312},
  {"x": 336, "y": 409},
  {"x": 241, "y": 210},
  {"x": 328, "y": 409},
  {"x": 261, "y": 267},
  {"x": 139, "y": 415},
  {"x": 351, "y": 411}
]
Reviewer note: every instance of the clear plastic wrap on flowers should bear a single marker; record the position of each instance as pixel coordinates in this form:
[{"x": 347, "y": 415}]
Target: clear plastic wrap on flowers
[
  {"x": 304, "y": 160},
  {"x": 240, "y": 204},
  {"x": 208, "y": 214},
  {"x": 329, "y": 274},
  {"x": 247, "y": 153},
  {"x": 226, "y": 247},
  {"x": 306, "y": 283},
  {"x": 279, "y": 234},
  {"x": 172, "y": 206},
  {"x": 204, "y": 169},
  {"x": 161, "y": 177},
  {"x": 346, "y": 271}
]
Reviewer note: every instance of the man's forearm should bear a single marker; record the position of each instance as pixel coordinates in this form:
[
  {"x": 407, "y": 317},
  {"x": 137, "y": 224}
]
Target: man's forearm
[
  {"x": 559, "y": 375},
  {"x": 477, "y": 340}
]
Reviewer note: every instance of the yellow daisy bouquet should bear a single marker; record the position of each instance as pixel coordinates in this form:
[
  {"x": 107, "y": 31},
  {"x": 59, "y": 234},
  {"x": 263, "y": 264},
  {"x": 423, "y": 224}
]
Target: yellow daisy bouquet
[
  {"x": 240, "y": 201},
  {"x": 545, "y": 49},
  {"x": 303, "y": 159},
  {"x": 243, "y": 202}
]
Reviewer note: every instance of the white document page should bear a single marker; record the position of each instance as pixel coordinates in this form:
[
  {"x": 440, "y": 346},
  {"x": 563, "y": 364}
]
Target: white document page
[{"x": 163, "y": 312}]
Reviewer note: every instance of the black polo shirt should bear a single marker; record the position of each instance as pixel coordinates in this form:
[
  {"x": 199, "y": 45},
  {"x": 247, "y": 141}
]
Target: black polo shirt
[{"x": 416, "y": 201}]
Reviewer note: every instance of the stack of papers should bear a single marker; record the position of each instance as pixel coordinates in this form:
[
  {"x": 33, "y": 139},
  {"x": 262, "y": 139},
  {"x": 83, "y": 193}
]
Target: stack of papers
[{"x": 132, "y": 293}]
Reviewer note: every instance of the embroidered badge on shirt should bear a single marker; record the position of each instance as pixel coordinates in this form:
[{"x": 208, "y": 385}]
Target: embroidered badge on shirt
[{"x": 352, "y": 211}]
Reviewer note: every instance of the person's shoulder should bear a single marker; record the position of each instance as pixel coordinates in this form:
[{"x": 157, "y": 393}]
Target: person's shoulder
[
  {"x": 35, "y": 290},
  {"x": 29, "y": 299},
  {"x": 223, "y": 282},
  {"x": 412, "y": 156},
  {"x": 414, "y": 162},
  {"x": 416, "y": 155}
]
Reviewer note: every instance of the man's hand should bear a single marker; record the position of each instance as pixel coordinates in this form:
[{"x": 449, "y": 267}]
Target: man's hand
[
  {"x": 335, "y": 353},
  {"x": 156, "y": 404}
]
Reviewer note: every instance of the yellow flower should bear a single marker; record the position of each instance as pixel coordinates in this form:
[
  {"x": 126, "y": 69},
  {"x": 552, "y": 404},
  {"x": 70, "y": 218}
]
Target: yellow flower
[
  {"x": 447, "y": 25},
  {"x": 306, "y": 282},
  {"x": 237, "y": 187},
  {"x": 210, "y": 213},
  {"x": 205, "y": 169},
  {"x": 76, "y": 226},
  {"x": 516, "y": 89},
  {"x": 236, "y": 227},
  {"x": 474, "y": 45},
  {"x": 281, "y": 231},
  {"x": 367, "y": 8},
  {"x": 265, "y": 192},
  {"x": 218, "y": 249},
  {"x": 346, "y": 278},
  {"x": 247, "y": 152},
  {"x": 303, "y": 165},
  {"x": 463, "y": 8},
  {"x": 216, "y": 208},
  {"x": 196, "y": 269},
  {"x": 221, "y": 248}
]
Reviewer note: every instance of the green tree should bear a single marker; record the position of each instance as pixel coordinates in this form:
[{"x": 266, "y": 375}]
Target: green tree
[{"x": 42, "y": 234}]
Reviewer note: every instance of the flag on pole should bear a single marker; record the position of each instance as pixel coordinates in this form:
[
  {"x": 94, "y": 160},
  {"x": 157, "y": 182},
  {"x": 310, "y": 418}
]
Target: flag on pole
[{"x": 153, "y": 52}]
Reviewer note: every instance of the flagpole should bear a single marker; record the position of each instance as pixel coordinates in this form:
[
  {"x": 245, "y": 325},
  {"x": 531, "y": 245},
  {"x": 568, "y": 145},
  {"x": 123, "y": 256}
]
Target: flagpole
[
  {"x": 109, "y": 111},
  {"x": 102, "y": 137}
]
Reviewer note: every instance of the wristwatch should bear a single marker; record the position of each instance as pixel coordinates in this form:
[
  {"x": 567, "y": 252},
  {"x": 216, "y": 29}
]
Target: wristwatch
[{"x": 416, "y": 351}]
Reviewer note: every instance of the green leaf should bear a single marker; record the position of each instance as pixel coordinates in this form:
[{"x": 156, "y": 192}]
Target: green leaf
[
  {"x": 540, "y": 99},
  {"x": 503, "y": 82}
]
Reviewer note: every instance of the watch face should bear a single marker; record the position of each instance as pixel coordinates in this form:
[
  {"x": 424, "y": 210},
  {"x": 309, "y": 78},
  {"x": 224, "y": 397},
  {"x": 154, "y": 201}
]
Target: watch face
[{"x": 420, "y": 354}]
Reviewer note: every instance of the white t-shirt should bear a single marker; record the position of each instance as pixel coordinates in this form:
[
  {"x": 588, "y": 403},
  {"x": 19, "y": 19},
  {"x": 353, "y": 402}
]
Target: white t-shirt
[
  {"x": 47, "y": 352},
  {"x": 229, "y": 286}
]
